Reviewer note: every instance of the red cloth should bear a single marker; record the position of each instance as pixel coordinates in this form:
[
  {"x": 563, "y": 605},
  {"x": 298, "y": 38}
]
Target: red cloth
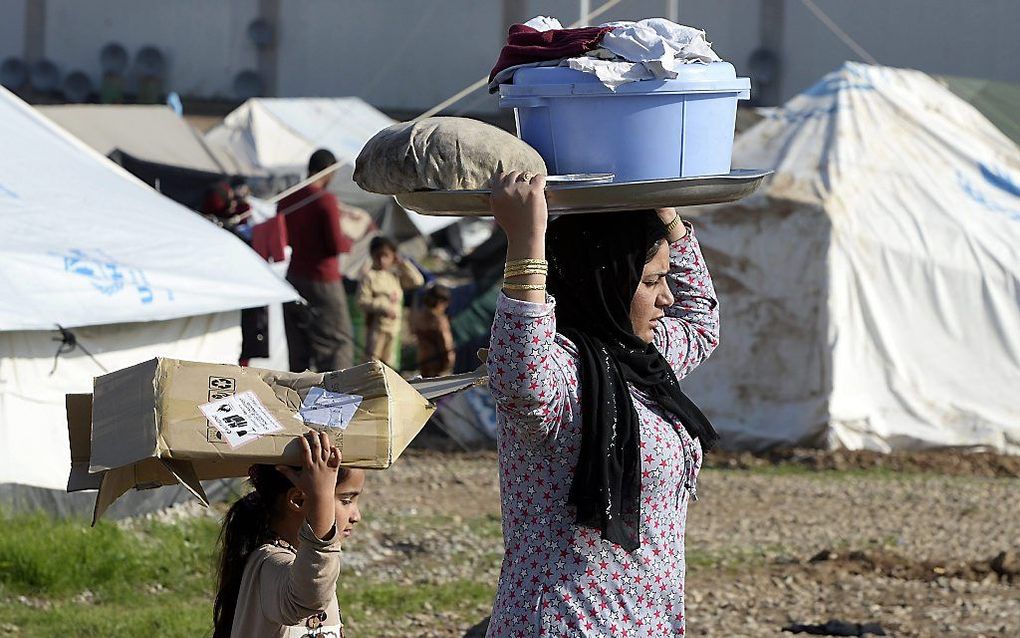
[
  {"x": 313, "y": 231},
  {"x": 269, "y": 239},
  {"x": 525, "y": 45}
]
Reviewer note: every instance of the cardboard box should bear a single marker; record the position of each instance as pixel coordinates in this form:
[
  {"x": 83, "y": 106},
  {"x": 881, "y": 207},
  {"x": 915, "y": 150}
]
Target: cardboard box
[{"x": 170, "y": 422}]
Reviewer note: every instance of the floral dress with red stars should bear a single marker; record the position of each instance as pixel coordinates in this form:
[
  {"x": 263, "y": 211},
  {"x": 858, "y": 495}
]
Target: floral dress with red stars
[{"x": 558, "y": 578}]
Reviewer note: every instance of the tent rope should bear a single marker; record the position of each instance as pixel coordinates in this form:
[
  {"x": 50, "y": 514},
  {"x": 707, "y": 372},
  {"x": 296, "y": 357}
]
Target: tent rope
[
  {"x": 68, "y": 343},
  {"x": 843, "y": 36}
]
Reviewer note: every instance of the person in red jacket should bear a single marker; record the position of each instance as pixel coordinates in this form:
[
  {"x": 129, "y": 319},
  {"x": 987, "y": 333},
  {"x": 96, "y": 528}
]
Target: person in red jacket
[{"x": 319, "y": 333}]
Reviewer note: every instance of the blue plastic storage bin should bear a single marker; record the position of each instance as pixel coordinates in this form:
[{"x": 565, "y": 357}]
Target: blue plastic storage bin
[{"x": 649, "y": 129}]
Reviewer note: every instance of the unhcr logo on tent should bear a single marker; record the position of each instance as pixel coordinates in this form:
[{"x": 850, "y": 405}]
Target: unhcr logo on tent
[
  {"x": 1001, "y": 180},
  {"x": 109, "y": 277}
]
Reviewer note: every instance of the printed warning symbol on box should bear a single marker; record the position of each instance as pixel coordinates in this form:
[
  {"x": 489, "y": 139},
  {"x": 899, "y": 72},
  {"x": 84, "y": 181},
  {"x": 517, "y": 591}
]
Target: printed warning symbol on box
[
  {"x": 212, "y": 435},
  {"x": 219, "y": 388},
  {"x": 223, "y": 384}
]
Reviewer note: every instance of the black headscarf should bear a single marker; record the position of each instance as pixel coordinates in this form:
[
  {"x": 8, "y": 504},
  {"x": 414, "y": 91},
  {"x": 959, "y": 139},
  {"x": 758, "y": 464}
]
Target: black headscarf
[{"x": 595, "y": 266}]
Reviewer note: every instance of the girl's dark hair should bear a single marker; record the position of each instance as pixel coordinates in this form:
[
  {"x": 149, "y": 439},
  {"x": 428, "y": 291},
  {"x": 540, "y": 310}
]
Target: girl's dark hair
[
  {"x": 380, "y": 242},
  {"x": 435, "y": 294},
  {"x": 246, "y": 527}
]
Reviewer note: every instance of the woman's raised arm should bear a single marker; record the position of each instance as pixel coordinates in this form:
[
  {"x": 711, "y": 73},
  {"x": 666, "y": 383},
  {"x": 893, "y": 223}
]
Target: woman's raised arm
[
  {"x": 690, "y": 330},
  {"x": 525, "y": 365}
]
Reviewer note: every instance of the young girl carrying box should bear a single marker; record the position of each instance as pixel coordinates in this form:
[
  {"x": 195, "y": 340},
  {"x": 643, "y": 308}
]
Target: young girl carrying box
[{"x": 280, "y": 548}]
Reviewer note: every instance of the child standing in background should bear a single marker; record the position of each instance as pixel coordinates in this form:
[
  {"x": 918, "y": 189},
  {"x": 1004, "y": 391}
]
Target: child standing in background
[
  {"x": 431, "y": 326},
  {"x": 381, "y": 298}
]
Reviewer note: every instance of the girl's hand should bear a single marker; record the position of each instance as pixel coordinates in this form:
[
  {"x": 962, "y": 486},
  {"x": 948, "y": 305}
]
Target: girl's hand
[
  {"x": 519, "y": 206},
  {"x": 317, "y": 480}
]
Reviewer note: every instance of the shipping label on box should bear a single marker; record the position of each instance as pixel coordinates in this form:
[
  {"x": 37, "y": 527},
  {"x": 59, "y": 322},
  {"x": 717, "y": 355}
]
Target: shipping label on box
[{"x": 241, "y": 418}]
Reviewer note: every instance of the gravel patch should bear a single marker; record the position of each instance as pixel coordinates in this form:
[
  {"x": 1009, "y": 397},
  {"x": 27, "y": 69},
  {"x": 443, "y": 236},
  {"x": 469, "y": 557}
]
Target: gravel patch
[{"x": 906, "y": 541}]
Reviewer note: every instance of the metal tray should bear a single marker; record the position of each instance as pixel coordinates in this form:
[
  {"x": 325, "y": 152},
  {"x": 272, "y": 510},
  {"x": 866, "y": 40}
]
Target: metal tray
[
  {"x": 596, "y": 198},
  {"x": 580, "y": 178}
]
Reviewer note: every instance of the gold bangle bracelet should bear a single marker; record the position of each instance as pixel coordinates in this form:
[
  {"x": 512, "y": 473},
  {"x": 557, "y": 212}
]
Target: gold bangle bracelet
[
  {"x": 516, "y": 272},
  {"x": 673, "y": 224},
  {"x": 523, "y": 286},
  {"x": 507, "y": 277},
  {"x": 527, "y": 262},
  {"x": 524, "y": 275}
]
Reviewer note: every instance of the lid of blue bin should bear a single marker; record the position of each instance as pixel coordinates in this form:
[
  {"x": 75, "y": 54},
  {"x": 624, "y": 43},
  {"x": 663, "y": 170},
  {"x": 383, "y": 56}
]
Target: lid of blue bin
[{"x": 551, "y": 81}]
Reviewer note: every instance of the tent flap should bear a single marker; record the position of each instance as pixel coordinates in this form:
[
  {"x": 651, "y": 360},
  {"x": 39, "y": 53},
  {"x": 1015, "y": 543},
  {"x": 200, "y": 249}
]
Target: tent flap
[{"x": 103, "y": 247}]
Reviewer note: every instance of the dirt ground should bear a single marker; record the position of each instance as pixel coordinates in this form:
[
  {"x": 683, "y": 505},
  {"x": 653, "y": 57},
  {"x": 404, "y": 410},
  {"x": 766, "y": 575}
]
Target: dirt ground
[{"x": 924, "y": 544}]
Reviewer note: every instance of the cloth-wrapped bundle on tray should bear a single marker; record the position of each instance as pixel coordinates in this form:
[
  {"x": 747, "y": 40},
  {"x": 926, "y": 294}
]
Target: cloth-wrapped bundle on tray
[{"x": 441, "y": 153}]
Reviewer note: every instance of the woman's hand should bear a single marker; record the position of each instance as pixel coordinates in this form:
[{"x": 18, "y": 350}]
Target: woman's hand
[
  {"x": 518, "y": 204},
  {"x": 667, "y": 216},
  {"x": 317, "y": 480}
]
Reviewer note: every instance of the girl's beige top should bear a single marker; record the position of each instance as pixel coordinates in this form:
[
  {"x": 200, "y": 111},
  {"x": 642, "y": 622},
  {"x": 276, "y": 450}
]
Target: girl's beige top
[{"x": 288, "y": 593}]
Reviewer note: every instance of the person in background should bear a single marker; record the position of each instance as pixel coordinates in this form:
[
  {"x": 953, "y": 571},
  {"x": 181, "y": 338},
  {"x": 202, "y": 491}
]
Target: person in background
[
  {"x": 431, "y": 327},
  {"x": 218, "y": 203},
  {"x": 381, "y": 298},
  {"x": 319, "y": 333},
  {"x": 241, "y": 191}
]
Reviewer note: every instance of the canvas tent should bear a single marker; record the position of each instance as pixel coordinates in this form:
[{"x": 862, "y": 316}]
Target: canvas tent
[
  {"x": 152, "y": 133},
  {"x": 128, "y": 273},
  {"x": 870, "y": 293},
  {"x": 154, "y": 144},
  {"x": 997, "y": 101},
  {"x": 277, "y": 136}
]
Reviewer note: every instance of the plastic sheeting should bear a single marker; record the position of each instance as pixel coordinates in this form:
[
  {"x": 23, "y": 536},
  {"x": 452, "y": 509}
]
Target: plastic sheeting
[
  {"x": 150, "y": 133},
  {"x": 33, "y": 424},
  {"x": 997, "y": 101},
  {"x": 871, "y": 294},
  {"x": 85, "y": 243}
]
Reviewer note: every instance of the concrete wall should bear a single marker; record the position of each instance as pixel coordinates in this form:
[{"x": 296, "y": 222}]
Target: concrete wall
[
  {"x": 410, "y": 54},
  {"x": 393, "y": 53},
  {"x": 12, "y": 28},
  {"x": 204, "y": 43},
  {"x": 976, "y": 38}
]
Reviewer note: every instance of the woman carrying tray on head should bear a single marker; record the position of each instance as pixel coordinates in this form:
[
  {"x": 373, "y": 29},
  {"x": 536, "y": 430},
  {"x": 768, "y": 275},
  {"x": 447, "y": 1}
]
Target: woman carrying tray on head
[{"x": 599, "y": 449}]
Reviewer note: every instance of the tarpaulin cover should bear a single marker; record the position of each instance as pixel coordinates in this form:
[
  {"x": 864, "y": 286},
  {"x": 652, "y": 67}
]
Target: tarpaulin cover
[
  {"x": 153, "y": 133},
  {"x": 33, "y": 425},
  {"x": 870, "y": 295},
  {"x": 82, "y": 242}
]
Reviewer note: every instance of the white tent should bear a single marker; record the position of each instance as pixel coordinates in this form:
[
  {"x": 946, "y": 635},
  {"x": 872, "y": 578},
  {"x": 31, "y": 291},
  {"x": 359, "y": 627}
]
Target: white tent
[
  {"x": 131, "y": 275},
  {"x": 278, "y": 135},
  {"x": 153, "y": 133},
  {"x": 870, "y": 296}
]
